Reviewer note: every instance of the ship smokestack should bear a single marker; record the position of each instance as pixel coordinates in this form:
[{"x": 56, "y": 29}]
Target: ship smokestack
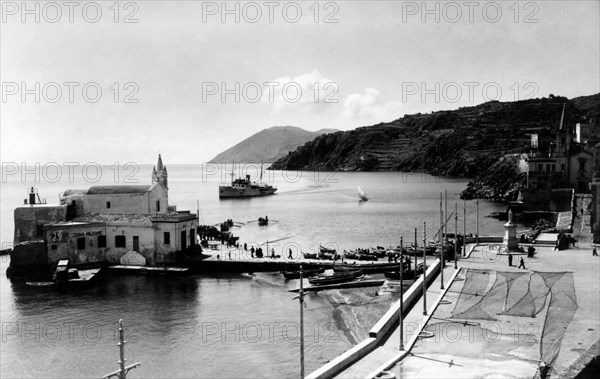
[{"x": 32, "y": 196}]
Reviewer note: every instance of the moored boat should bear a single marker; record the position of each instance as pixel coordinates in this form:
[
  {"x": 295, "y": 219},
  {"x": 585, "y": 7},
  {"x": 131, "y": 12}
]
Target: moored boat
[
  {"x": 407, "y": 273},
  {"x": 375, "y": 267},
  {"x": 336, "y": 278},
  {"x": 305, "y": 273}
]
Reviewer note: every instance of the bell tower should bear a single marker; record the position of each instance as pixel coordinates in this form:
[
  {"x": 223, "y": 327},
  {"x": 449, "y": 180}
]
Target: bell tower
[{"x": 159, "y": 173}]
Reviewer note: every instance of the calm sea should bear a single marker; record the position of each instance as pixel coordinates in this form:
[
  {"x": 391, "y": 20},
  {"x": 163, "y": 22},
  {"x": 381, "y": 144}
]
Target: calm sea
[{"x": 220, "y": 325}]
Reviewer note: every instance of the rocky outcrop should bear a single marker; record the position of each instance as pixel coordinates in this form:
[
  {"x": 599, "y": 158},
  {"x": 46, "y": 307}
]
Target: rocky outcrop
[{"x": 502, "y": 181}]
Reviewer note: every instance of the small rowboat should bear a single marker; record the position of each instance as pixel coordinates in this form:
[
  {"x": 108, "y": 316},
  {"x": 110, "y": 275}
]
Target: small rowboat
[
  {"x": 336, "y": 278},
  {"x": 40, "y": 284},
  {"x": 305, "y": 273},
  {"x": 367, "y": 267},
  {"x": 406, "y": 274}
]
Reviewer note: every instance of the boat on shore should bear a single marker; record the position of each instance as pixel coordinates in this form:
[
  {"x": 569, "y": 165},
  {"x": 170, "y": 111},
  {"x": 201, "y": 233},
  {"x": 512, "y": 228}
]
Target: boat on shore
[{"x": 340, "y": 277}]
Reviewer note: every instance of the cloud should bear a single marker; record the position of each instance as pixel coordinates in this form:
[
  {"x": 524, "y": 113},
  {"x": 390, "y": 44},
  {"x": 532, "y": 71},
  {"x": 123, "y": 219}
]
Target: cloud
[
  {"x": 311, "y": 91},
  {"x": 370, "y": 105}
]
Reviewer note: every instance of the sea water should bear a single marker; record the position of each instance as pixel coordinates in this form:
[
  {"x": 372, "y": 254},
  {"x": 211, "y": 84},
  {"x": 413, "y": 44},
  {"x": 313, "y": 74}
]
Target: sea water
[{"x": 227, "y": 325}]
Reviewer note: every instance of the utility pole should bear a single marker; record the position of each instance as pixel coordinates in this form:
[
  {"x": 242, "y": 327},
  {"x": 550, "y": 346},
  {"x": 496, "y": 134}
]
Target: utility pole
[
  {"x": 416, "y": 256},
  {"x": 121, "y": 373},
  {"x": 401, "y": 315},
  {"x": 477, "y": 234},
  {"x": 441, "y": 244},
  {"x": 301, "y": 298},
  {"x": 455, "y": 236},
  {"x": 464, "y": 227},
  {"x": 424, "y": 269}
]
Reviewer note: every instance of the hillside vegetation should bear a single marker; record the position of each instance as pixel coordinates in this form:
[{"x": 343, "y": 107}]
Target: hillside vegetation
[{"x": 464, "y": 142}]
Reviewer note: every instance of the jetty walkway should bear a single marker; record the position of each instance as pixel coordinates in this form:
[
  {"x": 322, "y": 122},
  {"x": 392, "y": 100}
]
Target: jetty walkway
[{"x": 499, "y": 321}]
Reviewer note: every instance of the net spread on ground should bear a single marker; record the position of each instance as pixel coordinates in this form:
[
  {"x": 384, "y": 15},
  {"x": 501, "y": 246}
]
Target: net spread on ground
[{"x": 521, "y": 294}]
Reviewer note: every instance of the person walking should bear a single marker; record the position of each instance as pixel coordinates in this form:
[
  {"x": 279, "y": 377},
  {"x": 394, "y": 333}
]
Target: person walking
[
  {"x": 522, "y": 264},
  {"x": 510, "y": 259},
  {"x": 594, "y": 252},
  {"x": 290, "y": 254}
]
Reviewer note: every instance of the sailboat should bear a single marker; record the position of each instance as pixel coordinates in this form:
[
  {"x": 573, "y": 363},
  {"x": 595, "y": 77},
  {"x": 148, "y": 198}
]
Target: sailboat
[{"x": 362, "y": 195}]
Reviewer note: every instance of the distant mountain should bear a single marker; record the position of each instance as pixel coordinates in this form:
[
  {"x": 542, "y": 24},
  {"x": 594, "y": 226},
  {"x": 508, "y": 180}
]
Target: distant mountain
[{"x": 269, "y": 145}]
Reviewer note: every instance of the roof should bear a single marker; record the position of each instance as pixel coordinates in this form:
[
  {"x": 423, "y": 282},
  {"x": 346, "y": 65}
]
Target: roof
[
  {"x": 105, "y": 190},
  {"x": 137, "y": 219},
  {"x": 173, "y": 217},
  {"x": 71, "y": 192},
  {"x": 134, "y": 219}
]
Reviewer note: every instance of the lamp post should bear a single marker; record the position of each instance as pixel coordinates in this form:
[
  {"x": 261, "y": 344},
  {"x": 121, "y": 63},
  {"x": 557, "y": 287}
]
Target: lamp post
[{"x": 401, "y": 315}]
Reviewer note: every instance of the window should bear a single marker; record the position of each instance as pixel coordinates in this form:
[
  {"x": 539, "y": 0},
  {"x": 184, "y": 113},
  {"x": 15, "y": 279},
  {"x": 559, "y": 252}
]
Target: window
[
  {"x": 81, "y": 243},
  {"x": 167, "y": 238},
  {"x": 157, "y": 205},
  {"x": 40, "y": 230},
  {"x": 540, "y": 167},
  {"x": 107, "y": 204},
  {"x": 562, "y": 167},
  {"x": 53, "y": 247},
  {"x": 101, "y": 241},
  {"x": 120, "y": 241},
  {"x": 553, "y": 168},
  {"x": 582, "y": 165}
]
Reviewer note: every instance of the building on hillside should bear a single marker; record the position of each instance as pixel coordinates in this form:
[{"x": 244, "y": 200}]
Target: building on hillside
[
  {"x": 566, "y": 164},
  {"x": 587, "y": 132}
]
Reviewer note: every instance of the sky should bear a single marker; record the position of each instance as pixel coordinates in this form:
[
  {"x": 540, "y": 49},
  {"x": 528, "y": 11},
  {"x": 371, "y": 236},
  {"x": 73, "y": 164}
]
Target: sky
[{"x": 99, "y": 82}]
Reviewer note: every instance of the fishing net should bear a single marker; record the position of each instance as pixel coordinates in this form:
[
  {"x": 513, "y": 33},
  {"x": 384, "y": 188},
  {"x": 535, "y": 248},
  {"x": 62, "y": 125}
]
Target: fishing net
[
  {"x": 476, "y": 282},
  {"x": 562, "y": 307},
  {"x": 524, "y": 295},
  {"x": 533, "y": 301}
]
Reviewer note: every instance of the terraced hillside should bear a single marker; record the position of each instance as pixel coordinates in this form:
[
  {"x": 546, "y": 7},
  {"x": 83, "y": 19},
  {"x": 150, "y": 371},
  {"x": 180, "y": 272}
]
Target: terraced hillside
[{"x": 463, "y": 142}]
